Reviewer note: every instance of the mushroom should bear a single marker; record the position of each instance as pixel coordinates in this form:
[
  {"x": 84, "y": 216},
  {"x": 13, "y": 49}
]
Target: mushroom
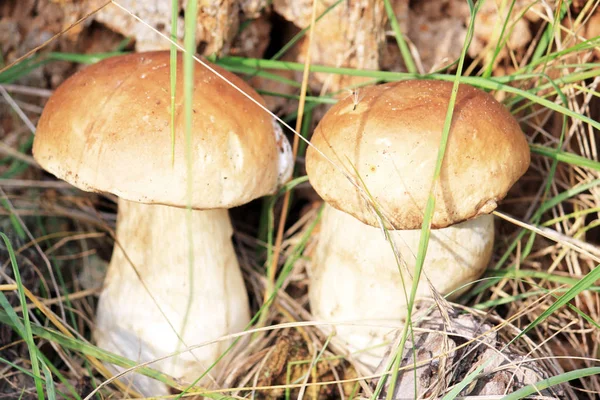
[
  {"x": 390, "y": 138},
  {"x": 107, "y": 129}
]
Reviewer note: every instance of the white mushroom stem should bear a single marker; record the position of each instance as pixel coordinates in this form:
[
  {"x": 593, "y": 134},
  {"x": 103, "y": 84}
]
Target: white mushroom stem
[
  {"x": 355, "y": 279},
  {"x": 129, "y": 322}
]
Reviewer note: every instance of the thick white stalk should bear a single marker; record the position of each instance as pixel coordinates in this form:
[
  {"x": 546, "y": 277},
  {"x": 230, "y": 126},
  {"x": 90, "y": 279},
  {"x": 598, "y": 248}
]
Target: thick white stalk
[
  {"x": 129, "y": 322},
  {"x": 355, "y": 277}
]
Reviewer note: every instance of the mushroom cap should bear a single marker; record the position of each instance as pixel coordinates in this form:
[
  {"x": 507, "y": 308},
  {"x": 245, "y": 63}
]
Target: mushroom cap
[
  {"x": 107, "y": 129},
  {"x": 391, "y": 137}
]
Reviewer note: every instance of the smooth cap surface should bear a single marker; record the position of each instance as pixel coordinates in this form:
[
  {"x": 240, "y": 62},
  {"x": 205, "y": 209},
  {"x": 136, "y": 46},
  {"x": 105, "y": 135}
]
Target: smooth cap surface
[
  {"x": 391, "y": 137},
  {"x": 107, "y": 129}
]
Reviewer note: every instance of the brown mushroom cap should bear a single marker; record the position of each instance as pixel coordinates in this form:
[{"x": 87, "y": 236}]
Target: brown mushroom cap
[
  {"x": 391, "y": 139},
  {"x": 107, "y": 129}
]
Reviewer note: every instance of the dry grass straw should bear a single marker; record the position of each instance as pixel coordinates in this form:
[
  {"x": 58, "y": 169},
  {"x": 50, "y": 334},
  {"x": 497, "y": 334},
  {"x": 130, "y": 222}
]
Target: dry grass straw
[{"x": 272, "y": 269}]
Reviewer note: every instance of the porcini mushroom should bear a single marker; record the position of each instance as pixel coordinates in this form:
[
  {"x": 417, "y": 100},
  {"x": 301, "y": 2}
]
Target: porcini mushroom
[
  {"x": 107, "y": 129},
  {"x": 390, "y": 138}
]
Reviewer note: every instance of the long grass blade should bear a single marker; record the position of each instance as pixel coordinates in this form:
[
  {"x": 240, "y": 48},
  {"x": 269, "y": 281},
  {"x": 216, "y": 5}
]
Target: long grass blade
[
  {"x": 500, "y": 43},
  {"x": 26, "y": 332},
  {"x": 544, "y": 45},
  {"x": 566, "y": 157},
  {"x": 189, "y": 41},
  {"x": 17, "y": 325},
  {"x": 303, "y": 32},
  {"x": 430, "y": 207},
  {"x": 498, "y": 84},
  {"x": 50, "y": 390},
  {"x": 402, "y": 46},
  {"x": 89, "y": 350},
  {"x": 553, "y": 381},
  {"x": 585, "y": 283}
]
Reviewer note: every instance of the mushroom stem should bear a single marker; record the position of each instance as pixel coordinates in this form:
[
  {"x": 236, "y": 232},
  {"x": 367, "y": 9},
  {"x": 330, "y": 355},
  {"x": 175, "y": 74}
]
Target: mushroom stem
[
  {"x": 355, "y": 278},
  {"x": 153, "y": 239}
]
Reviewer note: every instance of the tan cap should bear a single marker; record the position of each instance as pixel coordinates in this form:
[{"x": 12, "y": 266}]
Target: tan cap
[
  {"x": 107, "y": 129},
  {"x": 392, "y": 136}
]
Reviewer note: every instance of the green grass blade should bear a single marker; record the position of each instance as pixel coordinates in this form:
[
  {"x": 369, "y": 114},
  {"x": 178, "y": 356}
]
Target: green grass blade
[
  {"x": 16, "y": 168},
  {"x": 574, "y": 214},
  {"x": 576, "y": 48},
  {"x": 27, "y": 66},
  {"x": 542, "y": 291},
  {"x": 303, "y": 32},
  {"x": 123, "y": 44},
  {"x": 544, "y": 44},
  {"x": 500, "y": 43},
  {"x": 585, "y": 283},
  {"x": 305, "y": 132},
  {"x": 18, "y": 326},
  {"x": 89, "y": 350},
  {"x": 83, "y": 58},
  {"x": 430, "y": 207},
  {"x": 271, "y": 218},
  {"x": 308, "y": 99},
  {"x": 402, "y": 46},
  {"x": 466, "y": 381},
  {"x": 50, "y": 391},
  {"x": 22, "y": 69},
  {"x": 257, "y": 64},
  {"x": 566, "y": 195},
  {"x": 527, "y": 273},
  {"x": 244, "y": 70},
  {"x": 72, "y": 393},
  {"x": 26, "y": 333},
  {"x": 566, "y": 157},
  {"x": 497, "y": 84},
  {"x": 553, "y": 381},
  {"x": 547, "y": 205},
  {"x": 17, "y": 367},
  {"x": 10, "y": 313},
  {"x": 189, "y": 41},
  {"x": 13, "y": 220}
]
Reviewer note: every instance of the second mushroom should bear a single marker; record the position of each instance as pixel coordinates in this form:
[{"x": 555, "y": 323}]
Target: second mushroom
[{"x": 389, "y": 141}]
